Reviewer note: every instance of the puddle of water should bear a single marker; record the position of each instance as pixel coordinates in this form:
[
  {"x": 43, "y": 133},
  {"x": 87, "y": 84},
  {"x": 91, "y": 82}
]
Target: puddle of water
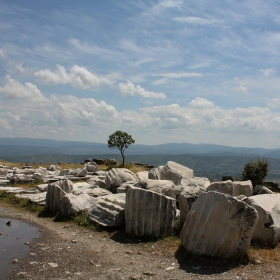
[{"x": 13, "y": 235}]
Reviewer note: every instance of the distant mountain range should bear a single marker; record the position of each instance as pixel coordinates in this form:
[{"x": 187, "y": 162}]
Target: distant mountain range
[
  {"x": 33, "y": 146},
  {"x": 207, "y": 160}
]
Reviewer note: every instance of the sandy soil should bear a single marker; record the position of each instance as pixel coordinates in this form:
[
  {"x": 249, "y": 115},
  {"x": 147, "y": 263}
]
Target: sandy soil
[{"x": 66, "y": 251}]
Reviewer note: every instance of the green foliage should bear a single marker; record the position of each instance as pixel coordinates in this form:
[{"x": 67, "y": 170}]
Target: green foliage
[
  {"x": 120, "y": 140},
  {"x": 255, "y": 171}
]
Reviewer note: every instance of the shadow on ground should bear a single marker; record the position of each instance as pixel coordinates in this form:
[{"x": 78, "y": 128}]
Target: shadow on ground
[{"x": 207, "y": 265}]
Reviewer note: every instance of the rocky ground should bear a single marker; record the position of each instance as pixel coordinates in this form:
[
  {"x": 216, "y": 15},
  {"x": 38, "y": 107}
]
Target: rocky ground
[{"x": 64, "y": 250}]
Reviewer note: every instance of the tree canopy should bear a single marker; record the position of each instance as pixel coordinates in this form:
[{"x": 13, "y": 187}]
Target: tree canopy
[
  {"x": 120, "y": 140},
  {"x": 255, "y": 171}
]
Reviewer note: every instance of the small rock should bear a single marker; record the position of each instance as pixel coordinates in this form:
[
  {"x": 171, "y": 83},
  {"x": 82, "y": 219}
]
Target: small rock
[
  {"x": 53, "y": 265},
  {"x": 15, "y": 260},
  {"x": 169, "y": 268},
  {"x": 1, "y": 233},
  {"x": 33, "y": 262},
  {"x": 74, "y": 241},
  {"x": 27, "y": 243},
  {"x": 22, "y": 274}
]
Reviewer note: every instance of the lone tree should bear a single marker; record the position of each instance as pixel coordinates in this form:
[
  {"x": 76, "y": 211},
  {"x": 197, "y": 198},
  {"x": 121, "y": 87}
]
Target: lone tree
[
  {"x": 255, "y": 171},
  {"x": 120, "y": 140}
]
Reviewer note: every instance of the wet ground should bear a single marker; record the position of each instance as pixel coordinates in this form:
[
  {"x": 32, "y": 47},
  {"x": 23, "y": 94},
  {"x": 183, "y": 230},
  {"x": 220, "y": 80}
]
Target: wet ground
[{"x": 15, "y": 236}]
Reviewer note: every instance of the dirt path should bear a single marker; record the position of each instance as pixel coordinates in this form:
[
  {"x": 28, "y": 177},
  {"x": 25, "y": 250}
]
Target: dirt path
[{"x": 66, "y": 251}]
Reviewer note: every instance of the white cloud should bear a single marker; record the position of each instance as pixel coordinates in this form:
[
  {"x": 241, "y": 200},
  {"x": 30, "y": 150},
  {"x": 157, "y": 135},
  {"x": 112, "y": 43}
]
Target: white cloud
[
  {"x": 196, "y": 20},
  {"x": 129, "y": 89},
  {"x": 268, "y": 72},
  {"x": 242, "y": 86},
  {"x": 2, "y": 53},
  {"x": 166, "y": 4},
  {"x": 180, "y": 75},
  {"x": 201, "y": 103},
  {"x": 78, "y": 77},
  {"x": 23, "y": 70},
  {"x": 273, "y": 103},
  {"x": 15, "y": 90}
]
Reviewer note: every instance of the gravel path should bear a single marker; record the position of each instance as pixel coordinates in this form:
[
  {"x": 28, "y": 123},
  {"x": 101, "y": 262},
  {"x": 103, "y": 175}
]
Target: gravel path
[{"x": 66, "y": 251}]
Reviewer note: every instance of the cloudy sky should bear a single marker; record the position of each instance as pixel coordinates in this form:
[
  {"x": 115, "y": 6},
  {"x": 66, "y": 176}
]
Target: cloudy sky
[{"x": 162, "y": 70}]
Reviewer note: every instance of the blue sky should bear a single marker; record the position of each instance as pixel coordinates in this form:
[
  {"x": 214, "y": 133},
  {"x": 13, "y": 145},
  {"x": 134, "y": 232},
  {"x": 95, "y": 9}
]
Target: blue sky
[{"x": 163, "y": 71}]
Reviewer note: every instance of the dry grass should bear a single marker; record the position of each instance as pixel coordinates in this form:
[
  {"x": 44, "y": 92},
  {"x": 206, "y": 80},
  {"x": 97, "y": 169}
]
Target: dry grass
[
  {"x": 62, "y": 166},
  {"x": 264, "y": 255}
]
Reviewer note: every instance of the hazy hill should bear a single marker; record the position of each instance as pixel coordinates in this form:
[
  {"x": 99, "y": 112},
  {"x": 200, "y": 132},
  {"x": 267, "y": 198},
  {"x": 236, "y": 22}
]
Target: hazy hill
[
  {"x": 212, "y": 161},
  {"x": 27, "y": 146}
]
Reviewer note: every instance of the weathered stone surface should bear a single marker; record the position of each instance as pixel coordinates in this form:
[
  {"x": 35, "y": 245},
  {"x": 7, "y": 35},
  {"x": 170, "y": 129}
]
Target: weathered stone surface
[
  {"x": 142, "y": 175},
  {"x": 117, "y": 176},
  {"x": 96, "y": 192},
  {"x": 82, "y": 173},
  {"x": 195, "y": 182},
  {"x": 91, "y": 167},
  {"x": 65, "y": 172},
  {"x": 235, "y": 188},
  {"x": 191, "y": 189},
  {"x": 42, "y": 171},
  {"x": 174, "y": 171},
  {"x": 165, "y": 187},
  {"x": 72, "y": 204},
  {"x": 24, "y": 171},
  {"x": 14, "y": 189},
  {"x": 20, "y": 178},
  {"x": 4, "y": 171},
  {"x": 51, "y": 167},
  {"x": 81, "y": 185},
  {"x": 187, "y": 198},
  {"x": 261, "y": 190},
  {"x": 154, "y": 173},
  {"x": 109, "y": 210},
  {"x": 219, "y": 225},
  {"x": 38, "y": 198},
  {"x": 123, "y": 187},
  {"x": 96, "y": 182},
  {"x": 268, "y": 226},
  {"x": 55, "y": 192},
  {"x": 149, "y": 213},
  {"x": 42, "y": 187}
]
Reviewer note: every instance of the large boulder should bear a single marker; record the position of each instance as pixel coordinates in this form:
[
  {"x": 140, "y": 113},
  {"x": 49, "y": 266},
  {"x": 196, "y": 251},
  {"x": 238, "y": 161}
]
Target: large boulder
[
  {"x": 123, "y": 187},
  {"x": 268, "y": 227},
  {"x": 72, "y": 204},
  {"x": 38, "y": 198},
  {"x": 219, "y": 225},
  {"x": 191, "y": 189},
  {"x": 174, "y": 171},
  {"x": 171, "y": 171},
  {"x": 117, "y": 176},
  {"x": 142, "y": 175},
  {"x": 42, "y": 171},
  {"x": 235, "y": 188},
  {"x": 154, "y": 173},
  {"x": 108, "y": 210},
  {"x": 96, "y": 182},
  {"x": 165, "y": 187},
  {"x": 149, "y": 213},
  {"x": 91, "y": 167},
  {"x": 55, "y": 192}
]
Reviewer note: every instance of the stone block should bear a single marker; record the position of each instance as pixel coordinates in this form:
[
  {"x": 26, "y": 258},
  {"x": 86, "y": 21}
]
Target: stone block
[{"x": 149, "y": 213}]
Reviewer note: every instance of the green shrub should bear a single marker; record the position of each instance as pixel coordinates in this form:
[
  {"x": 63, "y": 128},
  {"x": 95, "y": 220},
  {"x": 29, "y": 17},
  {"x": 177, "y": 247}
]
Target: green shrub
[{"x": 255, "y": 171}]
